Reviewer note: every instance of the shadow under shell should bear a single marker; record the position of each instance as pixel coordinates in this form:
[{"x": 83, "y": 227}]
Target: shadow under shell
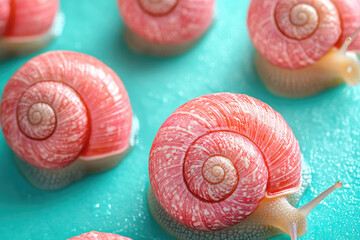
[
  {"x": 55, "y": 179},
  {"x": 10, "y": 47}
]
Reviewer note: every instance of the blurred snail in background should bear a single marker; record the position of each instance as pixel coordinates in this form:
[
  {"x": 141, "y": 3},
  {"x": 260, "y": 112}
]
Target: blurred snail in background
[
  {"x": 65, "y": 115},
  {"x": 227, "y": 166},
  {"x": 99, "y": 236},
  {"x": 165, "y": 27},
  {"x": 305, "y": 46},
  {"x": 27, "y": 25}
]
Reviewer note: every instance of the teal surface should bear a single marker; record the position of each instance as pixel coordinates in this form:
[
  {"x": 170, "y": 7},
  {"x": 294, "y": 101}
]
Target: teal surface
[{"x": 327, "y": 127}]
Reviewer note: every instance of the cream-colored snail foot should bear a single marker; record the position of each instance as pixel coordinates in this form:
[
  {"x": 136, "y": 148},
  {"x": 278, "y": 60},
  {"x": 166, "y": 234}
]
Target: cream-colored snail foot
[
  {"x": 242, "y": 231},
  {"x": 10, "y": 47},
  {"x": 48, "y": 179},
  {"x": 142, "y": 46},
  {"x": 295, "y": 83}
]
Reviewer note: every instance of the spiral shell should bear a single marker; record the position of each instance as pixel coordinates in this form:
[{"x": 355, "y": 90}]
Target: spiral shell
[
  {"x": 99, "y": 236},
  {"x": 26, "y": 18},
  {"x": 61, "y": 106},
  {"x": 294, "y": 33},
  {"x": 167, "y": 21},
  {"x": 217, "y": 156}
]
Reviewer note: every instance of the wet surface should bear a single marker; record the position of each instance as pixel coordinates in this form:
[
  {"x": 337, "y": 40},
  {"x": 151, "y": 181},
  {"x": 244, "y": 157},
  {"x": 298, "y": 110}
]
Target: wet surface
[{"x": 327, "y": 127}]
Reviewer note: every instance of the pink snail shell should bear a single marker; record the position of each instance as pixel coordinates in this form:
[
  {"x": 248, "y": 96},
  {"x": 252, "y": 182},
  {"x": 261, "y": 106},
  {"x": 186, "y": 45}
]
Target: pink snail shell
[
  {"x": 255, "y": 150},
  {"x": 62, "y": 106},
  {"x": 227, "y": 166},
  {"x": 297, "y": 33},
  {"x": 305, "y": 47},
  {"x": 25, "y": 25},
  {"x": 99, "y": 236},
  {"x": 165, "y": 27}
]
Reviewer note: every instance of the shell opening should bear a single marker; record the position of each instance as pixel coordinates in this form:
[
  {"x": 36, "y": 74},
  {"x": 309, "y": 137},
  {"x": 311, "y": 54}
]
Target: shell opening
[{"x": 158, "y": 7}]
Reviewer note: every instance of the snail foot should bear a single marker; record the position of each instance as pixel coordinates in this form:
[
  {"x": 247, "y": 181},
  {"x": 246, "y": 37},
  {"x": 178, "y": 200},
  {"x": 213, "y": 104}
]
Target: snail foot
[
  {"x": 143, "y": 46},
  {"x": 297, "y": 83}
]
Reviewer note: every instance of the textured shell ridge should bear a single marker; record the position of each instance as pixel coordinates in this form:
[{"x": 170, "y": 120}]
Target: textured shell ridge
[{"x": 198, "y": 136}]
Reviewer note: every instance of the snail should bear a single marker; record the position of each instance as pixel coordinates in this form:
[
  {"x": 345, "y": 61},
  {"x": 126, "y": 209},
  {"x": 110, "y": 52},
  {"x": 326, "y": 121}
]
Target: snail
[
  {"x": 305, "y": 46},
  {"x": 99, "y": 236},
  {"x": 224, "y": 166},
  {"x": 65, "y": 115},
  {"x": 165, "y": 27},
  {"x": 27, "y": 25}
]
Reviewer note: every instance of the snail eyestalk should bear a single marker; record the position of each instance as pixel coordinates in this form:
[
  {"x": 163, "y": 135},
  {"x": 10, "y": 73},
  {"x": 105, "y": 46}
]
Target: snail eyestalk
[
  {"x": 306, "y": 209},
  {"x": 279, "y": 213},
  {"x": 349, "y": 40},
  {"x": 293, "y": 232}
]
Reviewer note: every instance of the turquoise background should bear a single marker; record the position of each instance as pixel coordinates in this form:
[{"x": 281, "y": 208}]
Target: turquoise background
[{"x": 326, "y": 125}]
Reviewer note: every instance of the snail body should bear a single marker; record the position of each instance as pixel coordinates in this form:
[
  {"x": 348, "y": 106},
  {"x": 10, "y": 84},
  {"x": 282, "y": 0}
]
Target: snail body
[
  {"x": 99, "y": 236},
  {"x": 27, "y": 25},
  {"x": 65, "y": 115},
  {"x": 305, "y": 47},
  {"x": 165, "y": 27},
  {"x": 219, "y": 161}
]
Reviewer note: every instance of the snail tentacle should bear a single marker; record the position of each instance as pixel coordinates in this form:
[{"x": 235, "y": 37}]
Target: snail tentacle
[{"x": 246, "y": 230}]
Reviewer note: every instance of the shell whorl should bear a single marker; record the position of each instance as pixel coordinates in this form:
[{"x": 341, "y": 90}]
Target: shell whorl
[
  {"x": 61, "y": 106},
  {"x": 219, "y": 163},
  {"x": 302, "y": 18},
  {"x": 27, "y": 18},
  {"x": 167, "y": 21},
  {"x": 295, "y": 33},
  {"x": 49, "y": 108},
  {"x": 216, "y": 157}
]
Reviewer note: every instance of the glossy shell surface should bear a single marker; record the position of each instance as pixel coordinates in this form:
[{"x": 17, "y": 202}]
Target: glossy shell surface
[
  {"x": 217, "y": 156},
  {"x": 63, "y": 105}
]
